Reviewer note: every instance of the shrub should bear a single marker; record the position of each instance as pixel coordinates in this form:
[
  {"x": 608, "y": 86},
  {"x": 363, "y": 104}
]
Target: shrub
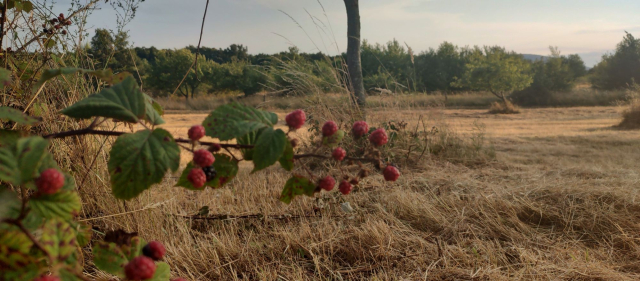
[{"x": 505, "y": 107}]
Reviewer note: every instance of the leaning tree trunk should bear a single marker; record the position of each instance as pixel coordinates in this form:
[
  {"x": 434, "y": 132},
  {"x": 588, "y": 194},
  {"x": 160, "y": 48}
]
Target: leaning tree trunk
[{"x": 354, "y": 64}]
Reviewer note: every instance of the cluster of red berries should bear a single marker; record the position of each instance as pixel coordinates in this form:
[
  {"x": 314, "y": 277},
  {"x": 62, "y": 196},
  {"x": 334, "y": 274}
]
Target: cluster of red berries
[
  {"x": 50, "y": 181},
  {"x": 57, "y": 23},
  {"x": 143, "y": 267},
  {"x": 203, "y": 158}
]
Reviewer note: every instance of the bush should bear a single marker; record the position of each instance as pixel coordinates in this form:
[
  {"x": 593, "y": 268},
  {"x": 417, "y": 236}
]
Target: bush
[{"x": 504, "y": 108}]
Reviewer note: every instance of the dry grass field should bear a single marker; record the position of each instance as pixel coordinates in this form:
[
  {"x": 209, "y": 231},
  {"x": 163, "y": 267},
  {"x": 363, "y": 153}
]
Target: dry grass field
[{"x": 558, "y": 202}]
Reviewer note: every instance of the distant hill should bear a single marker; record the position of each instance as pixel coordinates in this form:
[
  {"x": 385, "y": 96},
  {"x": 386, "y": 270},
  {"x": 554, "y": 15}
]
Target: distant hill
[{"x": 534, "y": 57}]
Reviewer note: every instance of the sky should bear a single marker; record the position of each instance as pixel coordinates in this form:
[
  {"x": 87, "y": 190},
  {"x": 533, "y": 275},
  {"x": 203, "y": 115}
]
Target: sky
[{"x": 586, "y": 27}]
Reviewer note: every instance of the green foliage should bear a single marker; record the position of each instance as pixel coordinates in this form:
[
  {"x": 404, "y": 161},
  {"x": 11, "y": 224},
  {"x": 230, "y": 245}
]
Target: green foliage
[
  {"x": 140, "y": 160},
  {"x": 234, "y": 120},
  {"x": 621, "y": 69},
  {"x": 495, "y": 70},
  {"x": 64, "y": 205},
  {"x": 286, "y": 161},
  {"x": 11, "y": 114},
  {"x": 123, "y": 102},
  {"x": 59, "y": 239},
  {"x": 269, "y": 148},
  {"x": 555, "y": 74},
  {"x": 297, "y": 185},
  {"x": 334, "y": 140},
  {"x": 109, "y": 258}
]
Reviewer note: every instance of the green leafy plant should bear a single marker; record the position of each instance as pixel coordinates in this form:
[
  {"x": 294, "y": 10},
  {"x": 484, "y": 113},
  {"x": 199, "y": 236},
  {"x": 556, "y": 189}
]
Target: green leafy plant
[{"x": 36, "y": 197}]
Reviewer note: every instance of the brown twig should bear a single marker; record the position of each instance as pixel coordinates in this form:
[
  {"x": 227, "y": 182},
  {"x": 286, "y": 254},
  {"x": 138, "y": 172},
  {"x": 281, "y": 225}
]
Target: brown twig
[{"x": 195, "y": 63}]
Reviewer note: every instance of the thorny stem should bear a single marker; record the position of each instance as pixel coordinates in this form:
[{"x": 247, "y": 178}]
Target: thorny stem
[{"x": 226, "y": 146}]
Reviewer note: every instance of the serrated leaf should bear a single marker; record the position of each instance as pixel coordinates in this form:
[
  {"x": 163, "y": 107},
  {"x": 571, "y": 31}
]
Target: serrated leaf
[
  {"x": 286, "y": 161},
  {"x": 297, "y": 185},
  {"x": 9, "y": 138},
  {"x": 59, "y": 239},
  {"x": 12, "y": 114},
  {"x": 9, "y": 170},
  {"x": 30, "y": 154},
  {"x": 27, "y": 272},
  {"x": 108, "y": 257},
  {"x": 14, "y": 248},
  {"x": 140, "y": 160},
  {"x": 163, "y": 272},
  {"x": 234, "y": 120},
  {"x": 9, "y": 204},
  {"x": 66, "y": 275},
  {"x": 269, "y": 148},
  {"x": 63, "y": 204},
  {"x": 248, "y": 139},
  {"x": 20, "y": 164},
  {"x": 334, "y": 140},
  {"x": 226, "y": 169},
  {"x": 153, "y": 111},
  {"x": 134, "y": 249},
  {"x": 122, "y": 101},
  {"x": 84, "y": 233}
]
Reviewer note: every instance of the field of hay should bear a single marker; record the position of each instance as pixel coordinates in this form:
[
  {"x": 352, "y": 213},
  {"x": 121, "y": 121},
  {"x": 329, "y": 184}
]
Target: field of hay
[{"x": 559, "y": 202}]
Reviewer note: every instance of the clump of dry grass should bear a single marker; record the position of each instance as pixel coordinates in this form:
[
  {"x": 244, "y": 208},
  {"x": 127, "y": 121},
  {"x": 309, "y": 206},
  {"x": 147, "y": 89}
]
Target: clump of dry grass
[
  {"x": 505, "y": 107},
  {"x": 631, "y": 116}
]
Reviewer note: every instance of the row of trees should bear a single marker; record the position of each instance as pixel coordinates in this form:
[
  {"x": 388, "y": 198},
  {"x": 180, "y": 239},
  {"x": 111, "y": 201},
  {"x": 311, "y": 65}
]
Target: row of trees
[{"x": 392, "y": 66}]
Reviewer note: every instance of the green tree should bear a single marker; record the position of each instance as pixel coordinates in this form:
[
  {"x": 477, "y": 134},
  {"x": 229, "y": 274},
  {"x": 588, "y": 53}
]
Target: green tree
[
  {"x": 497, "y": 71},
  {"x": 170, "y": 69},
  {"x": 620, "y": 69}
]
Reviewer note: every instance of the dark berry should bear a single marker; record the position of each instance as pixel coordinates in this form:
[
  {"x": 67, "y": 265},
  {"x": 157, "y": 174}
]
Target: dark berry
[
  {"x": 345, "y": 187},
  {"x": 215, "y": 147},
  {"x": 140, "y": 268},
  {"x": 338, "y": 154},
  {"x": 50, "y": 181},
  {"x": 327, "y": 183},
  {"x": 203, "y": 158},
  {"x": 154, "y": 250},
  {"x": 196, "y": 132},
  {"x": 295, "y": 142},
  {"x": 354, "y": 181},
  {"x": 295, "y": 119},
  {"x": 197, "y": 177},
  {"x": 391, "y": 173},
  {"x": 329, "y": 128},
  {"x": 68, "y": 22},
  {"x": 360, "y": 128},
  {"x": 379, "y": 137},
  {"x": 53, "y": 20},
  {"x": 64, "y": 32},
  {"x": 210, "y": 172}
]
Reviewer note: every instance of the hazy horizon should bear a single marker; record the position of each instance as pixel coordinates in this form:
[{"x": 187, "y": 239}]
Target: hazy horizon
[{"x": 589, "y": 28}]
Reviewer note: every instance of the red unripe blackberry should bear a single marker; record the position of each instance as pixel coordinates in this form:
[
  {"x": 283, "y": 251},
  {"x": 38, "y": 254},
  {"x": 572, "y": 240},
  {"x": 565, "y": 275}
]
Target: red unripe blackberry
[
  {"x": 47, "y": 278},
  {"x": 203, "y": 158},
  {"x": 295, "y": 119},
  {"x": 68, "y": 22},
  {"x": 345, "y": 187},
  {"x": 339, "y": 154},
  {"x": 360, "y": 128},
  {"x": 64, "y": 32},
  {"x": 53, "y": 20},
  {"x": 57, "y": 26},
  {"x": 391, "y": 173},
  {"x": 215, "y": 147},
  {"x": 196, "y": 132},
  {"x": 140, "y": 268},
  {"x": 329, "y": 128},
  {"x": 61, "y": 16},
  {"x": 354, "y": 181},
  {"x": 154, "y": 250},
  {"x": 197, "y": 177},
  {"x": 327, "y": 183},
  {"x": 50, "y": 181},
  {"x": 379, "y": 137}
]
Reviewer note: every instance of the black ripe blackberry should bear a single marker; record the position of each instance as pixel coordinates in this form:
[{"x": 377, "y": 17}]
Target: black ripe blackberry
[{"x": 210, "y": 172}]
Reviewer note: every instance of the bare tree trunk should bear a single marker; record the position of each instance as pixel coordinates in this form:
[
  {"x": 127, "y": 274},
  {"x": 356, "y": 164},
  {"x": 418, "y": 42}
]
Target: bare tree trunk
[{"x": 353, "y": 51}]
